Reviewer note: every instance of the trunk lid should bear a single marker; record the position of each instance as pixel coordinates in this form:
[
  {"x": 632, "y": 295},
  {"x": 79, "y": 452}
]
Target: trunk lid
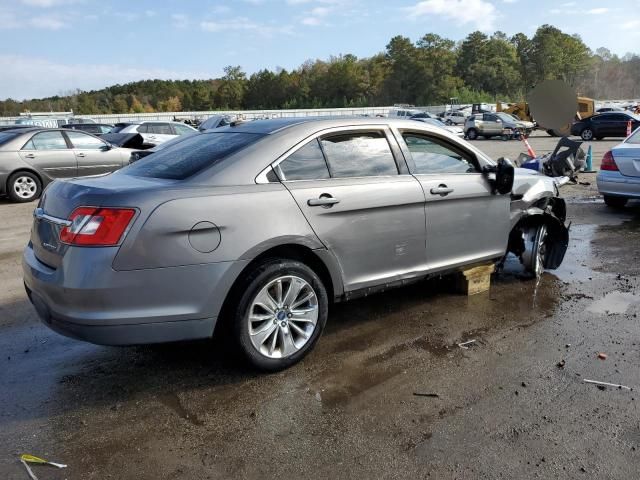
[
  {"x": 627, "y": 158},
  {"x": 61, "y": 198}
]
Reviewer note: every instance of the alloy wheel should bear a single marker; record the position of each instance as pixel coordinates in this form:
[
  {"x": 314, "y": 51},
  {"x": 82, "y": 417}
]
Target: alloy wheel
[
  {"x": 25, "y": 187},
  {"x": 283, "y": 316}
]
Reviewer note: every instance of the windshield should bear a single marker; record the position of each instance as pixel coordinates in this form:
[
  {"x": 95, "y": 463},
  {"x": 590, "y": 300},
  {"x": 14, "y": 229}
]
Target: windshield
[
  {"x": 193, "y": 155},
  {"x": 504, "y": 116}
]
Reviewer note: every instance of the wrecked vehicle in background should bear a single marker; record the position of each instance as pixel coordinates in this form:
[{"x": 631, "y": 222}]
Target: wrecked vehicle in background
[{"x": 258, "y": 226}]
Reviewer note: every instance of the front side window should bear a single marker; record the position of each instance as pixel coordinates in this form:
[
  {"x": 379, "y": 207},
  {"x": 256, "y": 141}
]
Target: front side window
[
  {"x": 84, "y": 141},
  {"x": 46, "y": 141},
  {"x": 306, "y": 163},
  {"x": 435, "y": 157},
  {"x": 359, "y": 155}
]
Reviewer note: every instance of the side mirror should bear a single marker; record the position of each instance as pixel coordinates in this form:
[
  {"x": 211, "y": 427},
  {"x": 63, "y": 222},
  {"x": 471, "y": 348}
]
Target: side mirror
[
  {"x": 504, "y": 176},
  {"x": 106, "y": 147}
]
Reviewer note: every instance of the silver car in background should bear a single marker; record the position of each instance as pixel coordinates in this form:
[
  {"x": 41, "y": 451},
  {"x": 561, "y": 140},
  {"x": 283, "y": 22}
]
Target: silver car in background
[
  {"x": 154, "y": 132},
  {"x": 619, "y": 176},
  {"x": 259, "y": 226},
  {"x": 31, "y": 158}
]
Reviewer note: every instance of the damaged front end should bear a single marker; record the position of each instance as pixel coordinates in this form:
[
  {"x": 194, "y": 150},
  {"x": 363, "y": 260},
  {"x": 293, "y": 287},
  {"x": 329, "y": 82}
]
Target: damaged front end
[{"x": 539, "y": 236}]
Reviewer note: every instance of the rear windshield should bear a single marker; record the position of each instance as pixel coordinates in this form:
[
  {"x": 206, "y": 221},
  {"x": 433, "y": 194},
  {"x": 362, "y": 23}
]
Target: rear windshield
[
  {"x": 8, "y": 136},
  {"x": 118, "y": 127},
  {"x": 191, "y": 156}
]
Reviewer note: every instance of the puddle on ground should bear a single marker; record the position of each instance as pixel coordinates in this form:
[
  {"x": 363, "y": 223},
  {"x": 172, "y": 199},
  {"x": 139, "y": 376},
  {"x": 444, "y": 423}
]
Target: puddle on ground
[
  {"x": 614, "y": 302},
  {"x": 172, "y": 400}
]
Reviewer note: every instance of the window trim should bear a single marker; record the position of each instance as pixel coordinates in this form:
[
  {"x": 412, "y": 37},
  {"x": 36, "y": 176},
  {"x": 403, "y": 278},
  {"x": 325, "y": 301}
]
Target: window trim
[
  {"x": 443, "y": 142},
  {"x": 384, "y": 129},
  {"x": 72, "y": 146}
]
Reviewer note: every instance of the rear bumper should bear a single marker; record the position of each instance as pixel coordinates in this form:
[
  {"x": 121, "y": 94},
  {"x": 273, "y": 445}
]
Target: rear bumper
[
  {"x": 618, "y": 185},
  {"x": 100, "y": 305}
]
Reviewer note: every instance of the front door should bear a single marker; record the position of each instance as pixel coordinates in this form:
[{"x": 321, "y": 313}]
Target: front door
[
  {"x": 94, "y": 156},
  {"x": 48, "y": 151},
  {"x": 466, "y": 222},
  {"x": 367, "y": 214}
]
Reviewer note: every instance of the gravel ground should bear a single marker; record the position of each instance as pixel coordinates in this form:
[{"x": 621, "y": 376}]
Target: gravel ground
[{"x": 504, "y": 408}]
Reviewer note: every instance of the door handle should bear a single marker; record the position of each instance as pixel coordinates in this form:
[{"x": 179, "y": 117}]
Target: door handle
[
  {"x": 30, "y": 155},
  {"x": 324, "y": 200},
  {"x": 441, "y": 190},
  {"x": 80, "y": 155}
]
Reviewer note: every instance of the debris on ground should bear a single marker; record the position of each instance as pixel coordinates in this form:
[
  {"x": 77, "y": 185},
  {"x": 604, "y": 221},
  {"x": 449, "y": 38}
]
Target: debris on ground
[
  {"x": 26, "y": 459},
  {"x": 432, "y": 395},
  {"x": 464, "y": 344},
  {"x": 606, "y": 384},
  {"x": 602, "y": 356},
  {"x": 561, "y": 364}
]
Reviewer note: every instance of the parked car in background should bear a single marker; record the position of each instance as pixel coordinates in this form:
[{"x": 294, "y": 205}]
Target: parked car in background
[
  {"x": 422, "y": 115},
  {"x": 619, "y": 176},
  {"x": 262, "y": 224},
  {"x": 454, "y": 118},
  {"x": 31, "y": 158},
  {"x": 95, "y": 128},
  {"x": 601, "y": 125},
  {"x": 455, "y": 129},
  {"x": 609, "y": 109},
  {"x": 154, "y": 133},
  {"x": 404, "y": 112},
  {"x": 139, "y": 153},
  {"x": 216, "y": 121},
  {"x": 489, "y": 125},
  {"x": 4, "y": 128}
]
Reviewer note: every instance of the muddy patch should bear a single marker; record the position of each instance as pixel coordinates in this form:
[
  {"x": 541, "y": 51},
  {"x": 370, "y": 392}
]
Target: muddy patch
[{"x": 614, "y": 303}]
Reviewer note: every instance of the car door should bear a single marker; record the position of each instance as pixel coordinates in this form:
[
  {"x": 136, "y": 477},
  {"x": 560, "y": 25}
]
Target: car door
[
  {"x": 159, "y": 132},
  {"x": 466, "y": 222},
  {"x": 94, "y": 156},
  {"x": 48, "y": 151},
  {"x": 492, "y": 125},
  {"x": 371, "y": 217}
]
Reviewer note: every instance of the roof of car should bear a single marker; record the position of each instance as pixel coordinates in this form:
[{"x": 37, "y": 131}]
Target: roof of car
[{"x": 274, "y": 125}]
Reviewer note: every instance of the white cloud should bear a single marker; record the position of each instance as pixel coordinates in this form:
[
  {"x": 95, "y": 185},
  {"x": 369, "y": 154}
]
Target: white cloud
[
  {"x": 47, "y": 23},
  {"x": 316, "y": 16},
  {"x": 509, "y": 1},
  {"x": 22, "y": 76},
  {"x": 631, "y": 25},
  {"x": 47, "y": 3},
  {"x": 479, "y": 13},
  {"x": 597, "y": 11},
  {"x": 242, "y": 24}
]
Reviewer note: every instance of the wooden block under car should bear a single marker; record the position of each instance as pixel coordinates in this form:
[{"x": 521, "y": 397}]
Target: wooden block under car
[{"x": 475, "y": 280}]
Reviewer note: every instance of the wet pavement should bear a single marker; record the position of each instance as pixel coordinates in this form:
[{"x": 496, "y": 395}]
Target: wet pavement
[{"x": 357, "y": 406}]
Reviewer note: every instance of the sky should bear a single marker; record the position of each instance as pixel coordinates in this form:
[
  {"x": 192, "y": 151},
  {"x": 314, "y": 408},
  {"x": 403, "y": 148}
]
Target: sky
[{"x": 51, "y": 47}]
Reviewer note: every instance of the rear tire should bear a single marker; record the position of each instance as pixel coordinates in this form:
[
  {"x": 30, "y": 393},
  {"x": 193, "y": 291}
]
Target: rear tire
[
  {"x": 24, "y": 187},
  {"x": 586, "y": 134},
  {"x": 615, "y": 202},
  {"x": 281, "y": 314},
  {"x": 472, "y": 134}
]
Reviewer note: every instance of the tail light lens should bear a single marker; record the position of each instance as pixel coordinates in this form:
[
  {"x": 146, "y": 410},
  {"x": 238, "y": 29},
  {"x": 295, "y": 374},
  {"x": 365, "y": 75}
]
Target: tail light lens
[
  {"x": 97, "y": 226},
  {"x": 608, "y": 162}
]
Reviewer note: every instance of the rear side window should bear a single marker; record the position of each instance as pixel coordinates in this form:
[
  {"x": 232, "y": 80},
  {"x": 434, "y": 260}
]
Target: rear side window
[
  {"x": 190, "y": 156},
  {"x": 46, "y": 141},
  {"x": 306, "y": 163},
  {"x": 160, "y": 129},
  {"x": 182, "y": 129},
  {"x": 144, "y": 128},
  {"x": 359, "y": 155},
  {"x": 634, "y": 138}
]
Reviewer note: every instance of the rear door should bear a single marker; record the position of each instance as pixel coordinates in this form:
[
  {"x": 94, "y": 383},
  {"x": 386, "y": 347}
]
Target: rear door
[
  {"x": 94, "y": 156},
  {"x": 466, "y": 223},
  {"x": 48, "y": 151},
  {"x": 361, "y": 202},
  {"x": 491, "y": 124}
]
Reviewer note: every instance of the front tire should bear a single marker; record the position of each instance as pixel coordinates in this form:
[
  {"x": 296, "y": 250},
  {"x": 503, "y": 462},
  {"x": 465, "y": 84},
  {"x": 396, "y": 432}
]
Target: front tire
[
  {"x": 281, "y": 314},
  {"x": 535, "y": 253},
  {"x": 615, "y": 202},
  {"x": 24, "y": 187},
  {"x": 472, "y": 134}
]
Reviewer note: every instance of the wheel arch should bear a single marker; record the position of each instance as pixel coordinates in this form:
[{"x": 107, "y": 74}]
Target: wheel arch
[{"x": 43, "y": 181}]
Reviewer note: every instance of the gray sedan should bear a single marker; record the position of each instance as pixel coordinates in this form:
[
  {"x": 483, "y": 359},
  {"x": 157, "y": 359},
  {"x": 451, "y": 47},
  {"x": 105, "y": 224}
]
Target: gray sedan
[
  {"x": 259, "y": 226},
  {"x": 619, "y": 176},
  {"x": 30, "y": 158}
]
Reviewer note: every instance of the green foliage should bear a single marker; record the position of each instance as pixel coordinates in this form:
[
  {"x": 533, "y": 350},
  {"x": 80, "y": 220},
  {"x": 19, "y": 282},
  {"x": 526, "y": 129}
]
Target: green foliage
[{"x": 481, "y": 68}]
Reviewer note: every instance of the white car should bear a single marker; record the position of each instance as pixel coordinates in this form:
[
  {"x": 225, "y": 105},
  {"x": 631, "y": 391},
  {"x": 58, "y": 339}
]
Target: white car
[
  {"x": 153, "y": 132},
  {"x": 454, "y": 118}
]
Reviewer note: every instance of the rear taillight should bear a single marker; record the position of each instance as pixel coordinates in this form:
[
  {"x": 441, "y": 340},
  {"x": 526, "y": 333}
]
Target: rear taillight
[
  {"x": 96, "y": 226},
  {"x": 608, "y": 162}
]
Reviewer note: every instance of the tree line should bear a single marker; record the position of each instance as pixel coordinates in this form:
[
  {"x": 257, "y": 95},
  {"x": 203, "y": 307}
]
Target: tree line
[{"x": 480, "y": 68}]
